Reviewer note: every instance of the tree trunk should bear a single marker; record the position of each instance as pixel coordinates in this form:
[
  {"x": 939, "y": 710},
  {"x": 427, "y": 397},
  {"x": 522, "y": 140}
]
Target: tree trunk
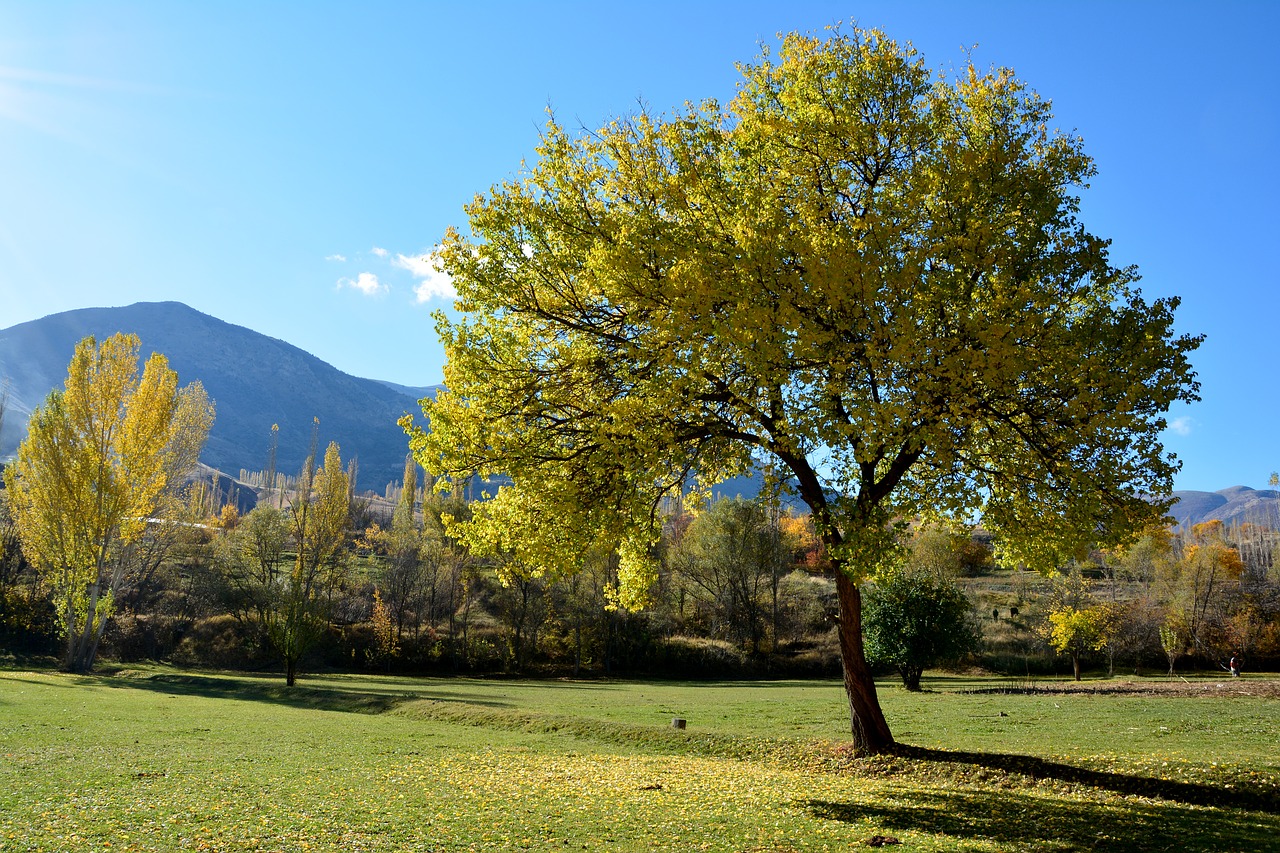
[
  {"x": 82, "y": 642},
  {"x": 870, "y": 731}
]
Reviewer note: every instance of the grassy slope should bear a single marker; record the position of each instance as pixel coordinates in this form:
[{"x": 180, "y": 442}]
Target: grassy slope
[{"x": 162, "y": 760}]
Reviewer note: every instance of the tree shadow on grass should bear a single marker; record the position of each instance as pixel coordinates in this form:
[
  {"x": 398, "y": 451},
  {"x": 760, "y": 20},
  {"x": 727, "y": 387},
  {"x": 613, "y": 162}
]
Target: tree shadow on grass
[
  {"x": 1187, "y": 793},
  {"x": 1019, "y": 821},
  {"x": 251, "y": 690}
]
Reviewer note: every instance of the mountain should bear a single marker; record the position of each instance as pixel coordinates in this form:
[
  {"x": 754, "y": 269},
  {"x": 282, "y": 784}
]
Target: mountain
[
  {"x": 254, "y": 380},
  {"x": 1236, "y": 504}
]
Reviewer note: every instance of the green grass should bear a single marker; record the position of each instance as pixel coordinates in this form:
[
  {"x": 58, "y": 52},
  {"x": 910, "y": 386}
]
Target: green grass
[{"x": 161, "y": 759}]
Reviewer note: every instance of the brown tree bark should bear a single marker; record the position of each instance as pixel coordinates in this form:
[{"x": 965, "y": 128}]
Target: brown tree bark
[{"x": 871, "y": 733}]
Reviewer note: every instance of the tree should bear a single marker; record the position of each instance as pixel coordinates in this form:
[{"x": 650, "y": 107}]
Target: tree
[
  {"x": 521, "y": 605},
  {"x": 728, "y": 559},
  {"x": 98, "y": 462},
  {"x": 283, "y": 593},
  {"x": 385, "y": 645},
  {"x": 1171, "y": 643},
  {"x": 318, "y": 517},
  {"x": 1146, "y": 559},
  {"x": 916, "y": 618},
  {"x": 26, "y": 617},
  {"x": 871, "y": 279},
  {"x": 1075, "y": 631},
  {"x": 1197, "y": 587},
  {"x": 253, "y": 562},
  {"x": 403, "y": 578}
]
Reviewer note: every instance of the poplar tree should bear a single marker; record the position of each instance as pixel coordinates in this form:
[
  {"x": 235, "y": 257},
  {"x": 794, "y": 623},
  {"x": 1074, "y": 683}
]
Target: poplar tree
[
  {"x": 100, "y": 457},
  {"x": 403, "y": 578},
  {"x": 868, "y": 276},
  {"x": 318, "y": 516}
]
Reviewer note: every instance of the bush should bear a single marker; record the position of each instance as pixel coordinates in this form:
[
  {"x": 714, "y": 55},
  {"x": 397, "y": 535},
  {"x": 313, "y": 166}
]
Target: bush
[
  {"x": 28, "y": 623},
  {"x": 220, "y": 642},
  {"x": 916, "y": 620},
  {"x": 699, "y": 657},
  {"x": 135, "y": 638}
]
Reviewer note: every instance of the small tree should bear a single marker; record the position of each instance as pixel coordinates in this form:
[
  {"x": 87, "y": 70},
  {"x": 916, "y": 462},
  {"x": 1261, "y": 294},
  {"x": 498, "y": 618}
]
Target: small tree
[
  {"x": 728, "y": 560},
  {"x": 253, "y": 562},
  {"x": 100, "y": 457},
  {"x": 385, "y": 644},
  {"x": 1076, "y": 632},
  {"x": 318, "y": 516},
  {"x": 914, "y": 620},
  {"x": 1172, "y": 644},
  {"x": 406, "y": 546},
  {"x": 1199, "y": 587}
]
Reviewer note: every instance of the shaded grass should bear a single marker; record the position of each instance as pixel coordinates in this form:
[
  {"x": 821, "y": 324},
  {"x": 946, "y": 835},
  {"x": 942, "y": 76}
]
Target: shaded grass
[
  {"x": 158, "y": 759},
  {"x": 1017, "y": 821}
]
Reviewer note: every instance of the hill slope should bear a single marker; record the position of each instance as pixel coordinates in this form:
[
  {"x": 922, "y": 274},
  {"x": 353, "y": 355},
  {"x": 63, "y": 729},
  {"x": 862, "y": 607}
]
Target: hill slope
[
  {"x": 1235, "y": 504},
  {"x": 254, "y": 380}
]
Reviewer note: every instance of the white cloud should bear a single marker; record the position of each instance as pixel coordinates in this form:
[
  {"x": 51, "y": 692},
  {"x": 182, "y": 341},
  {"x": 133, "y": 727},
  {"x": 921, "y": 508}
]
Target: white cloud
[
  {"x": 379, "y": 251},
  {"x": 367, "y": 283},
  {"x": 1181, "y": 426},
  {"x": 435, "y": 283},
  {"x": 421, "y": 266},
  {"x": 335, "y": 257}
]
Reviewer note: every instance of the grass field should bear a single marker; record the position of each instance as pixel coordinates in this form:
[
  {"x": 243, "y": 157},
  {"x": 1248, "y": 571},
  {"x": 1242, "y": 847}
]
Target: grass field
[{"x": 161, "y": 759}]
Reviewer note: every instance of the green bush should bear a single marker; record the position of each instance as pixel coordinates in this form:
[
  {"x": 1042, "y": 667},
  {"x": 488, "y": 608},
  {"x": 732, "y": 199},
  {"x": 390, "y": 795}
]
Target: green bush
[{"x": 220, "y": 642}]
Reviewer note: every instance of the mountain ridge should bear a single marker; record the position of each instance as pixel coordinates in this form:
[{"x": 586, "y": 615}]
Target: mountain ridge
[
  {"x": 1234, "y": 504},
  {"x": 254, "y": 380}
]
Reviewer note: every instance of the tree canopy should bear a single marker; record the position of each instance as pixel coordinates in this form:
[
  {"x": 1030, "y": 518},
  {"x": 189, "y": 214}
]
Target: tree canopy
[{"x": 871, "y": 277}]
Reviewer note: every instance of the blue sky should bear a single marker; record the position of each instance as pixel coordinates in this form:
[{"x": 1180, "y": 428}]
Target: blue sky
[{"x": 282, "y": 165}]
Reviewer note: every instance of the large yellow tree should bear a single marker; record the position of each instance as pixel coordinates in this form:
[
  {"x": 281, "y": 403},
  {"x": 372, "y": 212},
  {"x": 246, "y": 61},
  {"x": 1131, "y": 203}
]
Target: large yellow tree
[
  {"x": 867, "y": 276},
  {"x": 100, "y": 457}
]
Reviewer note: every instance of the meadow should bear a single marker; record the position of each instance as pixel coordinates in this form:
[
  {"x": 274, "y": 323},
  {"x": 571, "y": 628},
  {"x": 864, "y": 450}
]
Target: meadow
[{"x": 165, "y": 759}]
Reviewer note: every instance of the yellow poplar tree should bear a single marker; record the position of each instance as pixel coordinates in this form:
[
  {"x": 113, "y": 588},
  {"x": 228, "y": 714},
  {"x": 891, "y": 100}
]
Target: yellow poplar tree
[
  {"x": 866, "y": 276},
  {"x": 99, "y": 458}
]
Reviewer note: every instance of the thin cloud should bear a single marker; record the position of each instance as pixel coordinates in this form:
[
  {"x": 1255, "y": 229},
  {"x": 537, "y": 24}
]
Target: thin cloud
[
  {"x": 1181, "y": 426},
  {"x": 379, "y": 251},
  {"x": 434, "y": 283},
  {"x": 367, "y": 283},
  {"x": 76, "y": 81},
  {"x": 335, "y": 257}
]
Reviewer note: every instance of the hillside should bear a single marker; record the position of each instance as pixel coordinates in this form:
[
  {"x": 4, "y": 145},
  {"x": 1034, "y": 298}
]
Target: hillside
[
  {"x": 254, "y": 380},
  {"x": 1236, "y": 504}
]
